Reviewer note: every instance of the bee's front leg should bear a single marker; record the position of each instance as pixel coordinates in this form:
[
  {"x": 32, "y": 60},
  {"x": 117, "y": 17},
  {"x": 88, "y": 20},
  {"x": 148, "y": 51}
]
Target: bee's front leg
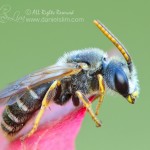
[
  {"x": 50, "y": 94},
  {"x": 101, "y": 92}
]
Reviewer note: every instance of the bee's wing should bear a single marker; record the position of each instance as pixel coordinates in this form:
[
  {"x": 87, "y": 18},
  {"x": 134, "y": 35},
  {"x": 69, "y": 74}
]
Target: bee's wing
[
  {"x": 17, "y": 89},
  {"x": 114, "y": 52}
]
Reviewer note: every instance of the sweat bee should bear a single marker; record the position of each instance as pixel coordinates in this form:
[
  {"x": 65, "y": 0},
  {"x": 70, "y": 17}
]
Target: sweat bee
[{"x": 74, "y": 76}]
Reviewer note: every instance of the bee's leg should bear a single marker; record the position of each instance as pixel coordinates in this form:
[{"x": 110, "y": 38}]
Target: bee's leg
[
  {"x": 101, "y": 94},
  {"x": 50, "y": 94},
  {"x": 87, "y": 105}
]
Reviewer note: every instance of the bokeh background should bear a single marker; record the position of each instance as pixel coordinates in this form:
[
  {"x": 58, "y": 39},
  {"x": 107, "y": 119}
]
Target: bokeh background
[{"x": 27, "y": 46}]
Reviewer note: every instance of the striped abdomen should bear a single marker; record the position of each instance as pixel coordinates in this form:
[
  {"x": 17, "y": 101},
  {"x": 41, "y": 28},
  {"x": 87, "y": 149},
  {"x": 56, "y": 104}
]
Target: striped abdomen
[{"x": 16, "y": 115}]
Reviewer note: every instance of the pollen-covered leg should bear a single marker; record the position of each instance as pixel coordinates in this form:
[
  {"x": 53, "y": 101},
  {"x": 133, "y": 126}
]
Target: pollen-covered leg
[
  {"x": 87, "y": 105},
  {"x": 50, "y": 94},
  {"x": 101, "y": 94}
]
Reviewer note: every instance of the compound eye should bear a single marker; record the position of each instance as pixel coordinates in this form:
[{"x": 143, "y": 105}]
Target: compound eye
[{"x": 121, "y": 82}]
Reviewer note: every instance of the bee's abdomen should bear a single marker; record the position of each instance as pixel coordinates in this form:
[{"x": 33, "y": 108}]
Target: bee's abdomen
[{"x": 15, "y": 116}]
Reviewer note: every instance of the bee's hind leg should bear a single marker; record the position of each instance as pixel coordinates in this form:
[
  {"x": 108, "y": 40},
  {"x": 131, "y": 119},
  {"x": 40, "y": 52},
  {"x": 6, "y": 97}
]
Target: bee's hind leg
[
  {"x": 50, "y": 94},
  {"x": 87, "y": 105}
]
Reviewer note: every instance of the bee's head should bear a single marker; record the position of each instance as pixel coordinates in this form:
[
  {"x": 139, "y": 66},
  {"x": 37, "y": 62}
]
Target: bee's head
[{"x": 119, "y": 78}]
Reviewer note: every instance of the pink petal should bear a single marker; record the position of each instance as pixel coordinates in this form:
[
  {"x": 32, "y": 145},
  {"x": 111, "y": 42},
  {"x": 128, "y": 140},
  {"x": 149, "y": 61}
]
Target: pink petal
[{"x": 58, "y": 134}]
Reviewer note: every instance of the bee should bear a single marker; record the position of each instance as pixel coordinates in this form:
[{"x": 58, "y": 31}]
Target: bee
[{"x": 74, "y": 76}]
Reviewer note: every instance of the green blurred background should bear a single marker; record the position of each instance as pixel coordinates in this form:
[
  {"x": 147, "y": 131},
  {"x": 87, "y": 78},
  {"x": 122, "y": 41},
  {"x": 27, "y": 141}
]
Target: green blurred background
[{"x": 25, "y": 47}]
